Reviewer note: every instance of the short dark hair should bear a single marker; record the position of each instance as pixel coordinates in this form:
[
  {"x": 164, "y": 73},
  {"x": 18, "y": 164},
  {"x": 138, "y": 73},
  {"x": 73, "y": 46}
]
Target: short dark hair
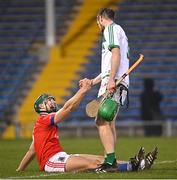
[{"x": 107, "y": 13}]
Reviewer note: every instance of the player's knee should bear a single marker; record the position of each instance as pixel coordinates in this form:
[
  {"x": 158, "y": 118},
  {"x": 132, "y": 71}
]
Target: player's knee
[{"x": 100, "y": 122}]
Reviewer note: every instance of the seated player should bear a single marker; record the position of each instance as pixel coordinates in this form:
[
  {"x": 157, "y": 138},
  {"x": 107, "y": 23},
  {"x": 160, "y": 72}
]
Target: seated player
[{"x": 50, "y": 154}]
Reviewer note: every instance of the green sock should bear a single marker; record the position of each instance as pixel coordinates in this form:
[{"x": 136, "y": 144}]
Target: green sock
[{"x": 110, "y": 158}]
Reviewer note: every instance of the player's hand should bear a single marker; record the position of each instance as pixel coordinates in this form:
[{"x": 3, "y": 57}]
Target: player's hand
[
  {"x": 111, "y": 87},
  {"x": 85, "y": 84},
  {"x": 82, "y": 80},
  {"x": 80, "y": 83}
]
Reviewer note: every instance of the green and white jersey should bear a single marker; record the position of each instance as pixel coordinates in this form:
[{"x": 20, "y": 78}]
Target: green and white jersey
[{"x": 114, "y": 36}]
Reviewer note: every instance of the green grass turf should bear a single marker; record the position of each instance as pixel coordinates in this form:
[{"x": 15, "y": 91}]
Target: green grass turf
[{"x": 12, "y": 151}]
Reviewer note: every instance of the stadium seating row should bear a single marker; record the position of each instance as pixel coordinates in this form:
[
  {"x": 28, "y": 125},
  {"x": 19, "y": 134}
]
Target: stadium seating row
[{"x": 22, "y": 33}]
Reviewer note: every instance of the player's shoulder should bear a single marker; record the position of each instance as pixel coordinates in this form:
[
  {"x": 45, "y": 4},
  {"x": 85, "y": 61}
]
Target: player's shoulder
[
  {"x": 45, "y": 120},
  {"x": 120, "y": 30},
  {"x": 114, "y": 26},
  {"x": 117, "y": 26}
]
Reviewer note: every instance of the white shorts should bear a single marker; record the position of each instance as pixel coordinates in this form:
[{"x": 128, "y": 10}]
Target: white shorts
[
  {"x": 119, "y": 96},
  {"x": 57, "y": 162}
]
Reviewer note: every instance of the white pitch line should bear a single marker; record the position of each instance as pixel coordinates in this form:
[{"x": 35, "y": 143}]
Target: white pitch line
[
  {"x": 56, "y": 174},
  {"x": 35, "y": 176},
  {"x": 166, "y": 162}
]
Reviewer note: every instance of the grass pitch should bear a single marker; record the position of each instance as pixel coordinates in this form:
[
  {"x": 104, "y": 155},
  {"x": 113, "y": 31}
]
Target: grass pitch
[{"x": 165, "y": 167}]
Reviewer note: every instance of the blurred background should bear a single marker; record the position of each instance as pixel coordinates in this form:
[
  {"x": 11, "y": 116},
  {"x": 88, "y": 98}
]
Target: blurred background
[{"x": 47, "y": 46}]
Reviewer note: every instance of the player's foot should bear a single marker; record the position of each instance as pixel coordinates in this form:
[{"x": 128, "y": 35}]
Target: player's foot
[
  {"x": 105, "y": 167},
  {"x": 150, "y": 158},
  {"x": 138, "y": 161}
]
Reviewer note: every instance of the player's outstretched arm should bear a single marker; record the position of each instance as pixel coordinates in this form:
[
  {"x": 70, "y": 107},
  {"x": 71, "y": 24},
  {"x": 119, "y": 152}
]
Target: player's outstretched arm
[
  {"x": 29, "y": 156},
  {"x": 73, "y": 103}
]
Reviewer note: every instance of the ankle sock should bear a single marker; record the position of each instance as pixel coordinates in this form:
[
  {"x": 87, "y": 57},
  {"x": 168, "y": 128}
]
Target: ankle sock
[{"x": 110, "y": 158}]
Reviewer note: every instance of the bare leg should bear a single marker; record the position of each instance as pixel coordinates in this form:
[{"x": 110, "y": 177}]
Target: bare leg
[
  {"x": 113, "y": 128},
  {"x": 106, "y": 135},
  {"x": 93, "y": 157},
  {"x": 80, "y": 163},
  {"x": 99, "y": 158}
]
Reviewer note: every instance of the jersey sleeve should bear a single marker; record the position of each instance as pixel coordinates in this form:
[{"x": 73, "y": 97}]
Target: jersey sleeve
[{"x": 112, "y": 37}]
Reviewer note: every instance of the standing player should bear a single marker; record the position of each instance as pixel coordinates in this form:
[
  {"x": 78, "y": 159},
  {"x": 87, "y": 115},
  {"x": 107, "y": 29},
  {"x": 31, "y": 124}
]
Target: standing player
[
  {"x": 114, "y": 62},
  {"x": 46, "y": 146}
]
